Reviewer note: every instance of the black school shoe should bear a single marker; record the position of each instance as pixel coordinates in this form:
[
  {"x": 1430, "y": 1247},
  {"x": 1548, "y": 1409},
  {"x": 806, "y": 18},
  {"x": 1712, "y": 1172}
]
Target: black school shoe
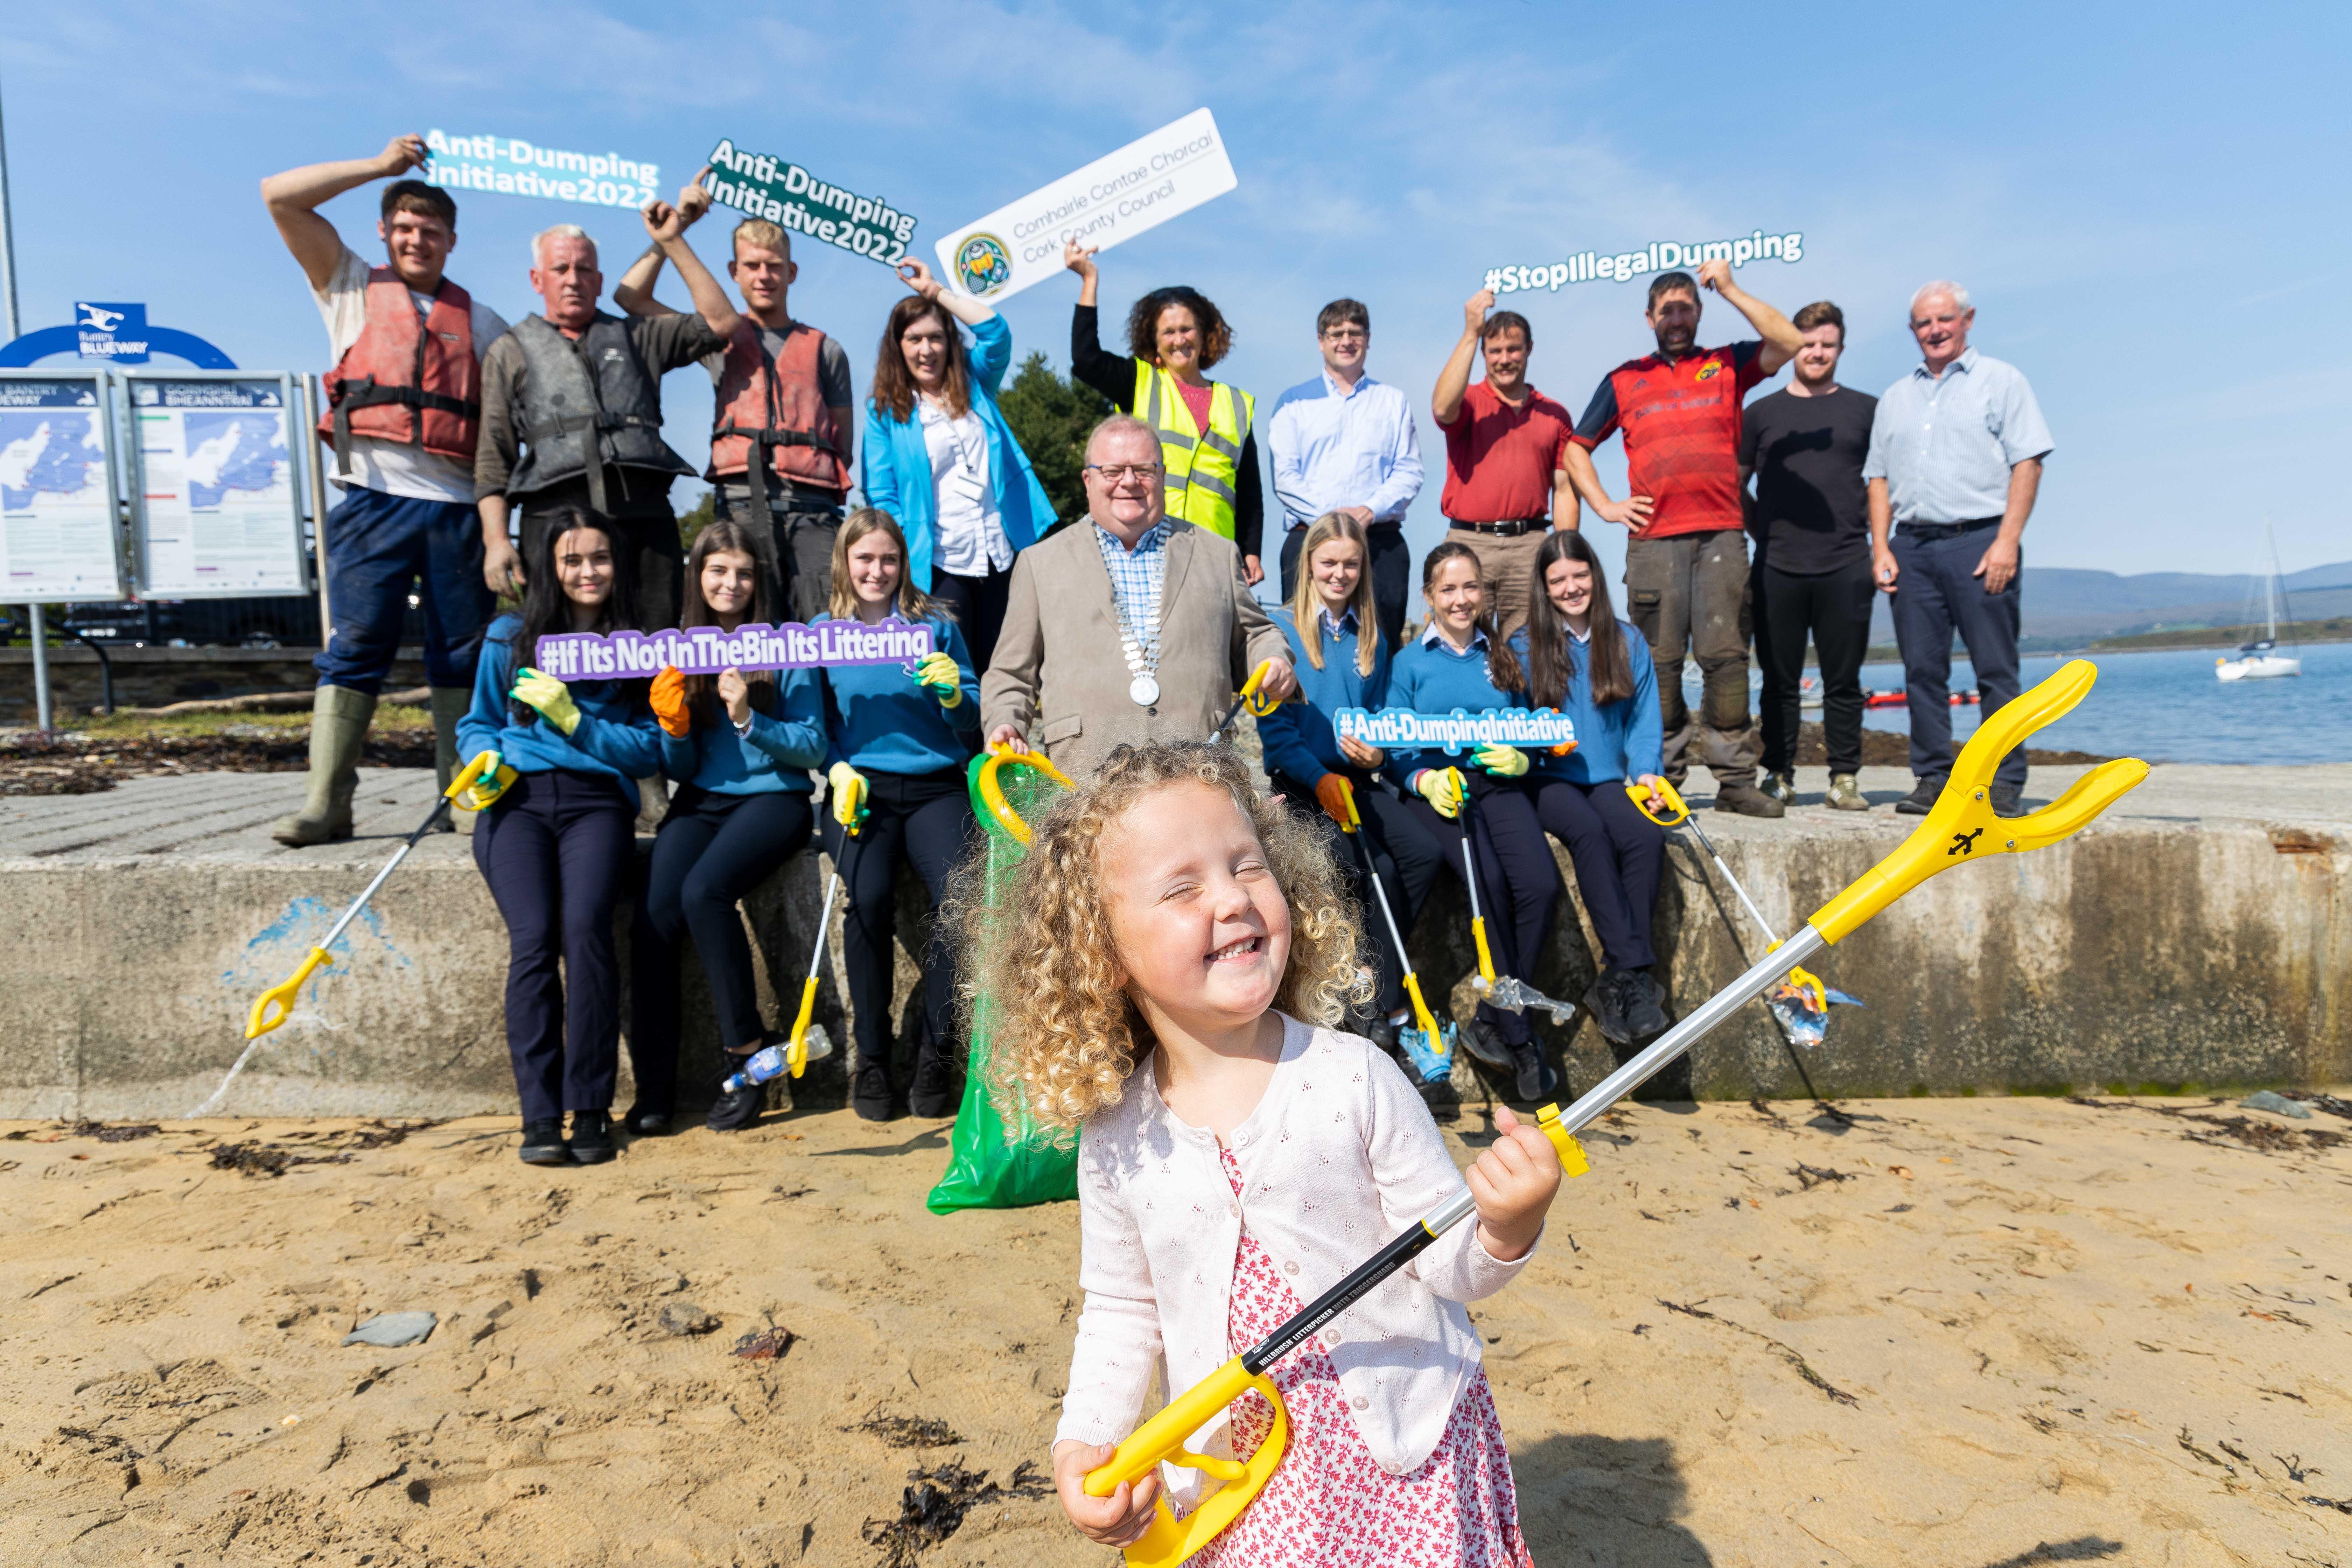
[
  {"x": 1644, "y": 1003},
  {"x": 591, "y": 1137},
  {"x": 1922, "y": 798},
  {"x": 1478, "y": 1038},
  {"x": 1532, "y": 1076},
  {"x": 542, "y": 1143},
  {"x": 935, "y": 1091},
  {"x": 645, "y": 1121},
  {"x": 1605, "y": 1001},
  {"x": 869, "y": 1091},
  {"x": 2005, "y": 802}
]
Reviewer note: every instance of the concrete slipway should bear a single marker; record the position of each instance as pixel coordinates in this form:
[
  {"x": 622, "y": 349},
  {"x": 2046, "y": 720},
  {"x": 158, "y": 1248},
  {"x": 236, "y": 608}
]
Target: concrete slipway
[{"x": 2201, "y": 933}]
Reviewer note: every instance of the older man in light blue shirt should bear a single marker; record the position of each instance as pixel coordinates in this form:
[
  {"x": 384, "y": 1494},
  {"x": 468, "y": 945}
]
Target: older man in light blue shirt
[
  {"x": 1955, "y": 462},
  {"x": 1345, "y": 442}
]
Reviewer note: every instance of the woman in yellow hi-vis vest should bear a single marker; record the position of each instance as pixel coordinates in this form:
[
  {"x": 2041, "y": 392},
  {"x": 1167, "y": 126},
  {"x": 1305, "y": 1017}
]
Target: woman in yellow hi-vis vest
[{"x": 1207, "y": 434}]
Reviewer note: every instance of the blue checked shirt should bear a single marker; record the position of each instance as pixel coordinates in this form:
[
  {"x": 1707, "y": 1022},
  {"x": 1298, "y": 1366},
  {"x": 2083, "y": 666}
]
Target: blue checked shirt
[{"x": 1136, "y": 576}]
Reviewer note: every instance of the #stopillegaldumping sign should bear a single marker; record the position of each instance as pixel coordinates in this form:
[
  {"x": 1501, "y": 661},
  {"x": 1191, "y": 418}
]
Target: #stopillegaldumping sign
[
  {"x": 1109, "y": 202},
  {"x": 1658, "y": 256},
  {"x": 1457, "y": 732},
  {"x": 707, "y": 650},
  {"x": 511, "y": 167},
  {"x": 765, "y": 186}
]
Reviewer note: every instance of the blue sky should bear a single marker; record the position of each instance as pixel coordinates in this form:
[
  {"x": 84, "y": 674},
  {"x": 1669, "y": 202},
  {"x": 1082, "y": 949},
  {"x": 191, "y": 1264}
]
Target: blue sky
[{"x": 2147, "y": 204}]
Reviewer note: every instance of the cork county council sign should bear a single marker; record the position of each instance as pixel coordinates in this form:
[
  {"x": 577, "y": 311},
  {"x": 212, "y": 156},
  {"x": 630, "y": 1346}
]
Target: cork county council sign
[{"x": 114, "y": 331}]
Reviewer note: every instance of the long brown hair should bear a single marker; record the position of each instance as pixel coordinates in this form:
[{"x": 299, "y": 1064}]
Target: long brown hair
[
  {"x": 694, "y": 610},
  {"x": 913, "y": 605},
  {"x": 894, "y": 384},
  {"x": 1550, "y": 665},
  {"x": 1498, "y": 656},
  {"x": 1307, "y": 601}
]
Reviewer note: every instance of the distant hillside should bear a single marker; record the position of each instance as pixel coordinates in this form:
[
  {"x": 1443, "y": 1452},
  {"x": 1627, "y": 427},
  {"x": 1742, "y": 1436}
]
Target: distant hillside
[{"x": 2068, "y": 607}]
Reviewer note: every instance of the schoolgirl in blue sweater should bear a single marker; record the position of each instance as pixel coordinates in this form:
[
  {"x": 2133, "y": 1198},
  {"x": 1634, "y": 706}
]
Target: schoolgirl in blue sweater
[
  {"x": 1343, "y": 662},
  {"x": 557, "y": 846},
  {"x": 897, "y": 743},
  {"x": 738, "y": 748},
  {"x": 1449, "y": 668},
  {"x": 1575, "y": 655}
]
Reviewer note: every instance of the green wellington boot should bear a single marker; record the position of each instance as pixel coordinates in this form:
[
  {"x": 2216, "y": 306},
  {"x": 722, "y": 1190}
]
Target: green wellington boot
[
  {"x": 339, "y": 725},
  {"x": 449, "y": 705}
]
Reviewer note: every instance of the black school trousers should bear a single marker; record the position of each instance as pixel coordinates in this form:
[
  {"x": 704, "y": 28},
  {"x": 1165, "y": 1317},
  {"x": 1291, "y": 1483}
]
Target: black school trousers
[
  {"x": 556, "y": 851},
  {"x": 710, "y": 851},
  {"x": 925, "y": 818},
  {"x": 1618, "y": 854},
  {"x": 1517, "y": 880},
  {"x": 1407, "y": 858},
  {"x": 1834, "y": 607}
]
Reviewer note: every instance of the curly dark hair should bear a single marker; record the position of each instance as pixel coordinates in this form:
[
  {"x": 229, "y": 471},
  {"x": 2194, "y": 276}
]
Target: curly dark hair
[{"x": 1143, "y": 324}]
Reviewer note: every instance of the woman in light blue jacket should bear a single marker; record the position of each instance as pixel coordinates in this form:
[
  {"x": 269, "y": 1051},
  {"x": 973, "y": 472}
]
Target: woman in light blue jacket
[{"x": 938, "y": 457}]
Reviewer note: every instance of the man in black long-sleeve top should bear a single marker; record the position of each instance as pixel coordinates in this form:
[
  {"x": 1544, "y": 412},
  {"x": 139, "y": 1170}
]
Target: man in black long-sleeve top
[{"x": 1207, "y": 432}]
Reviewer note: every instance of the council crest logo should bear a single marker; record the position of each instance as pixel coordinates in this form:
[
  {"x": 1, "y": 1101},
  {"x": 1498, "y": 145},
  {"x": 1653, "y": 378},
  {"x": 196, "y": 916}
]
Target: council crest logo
[{"x": 983, "y": 264}]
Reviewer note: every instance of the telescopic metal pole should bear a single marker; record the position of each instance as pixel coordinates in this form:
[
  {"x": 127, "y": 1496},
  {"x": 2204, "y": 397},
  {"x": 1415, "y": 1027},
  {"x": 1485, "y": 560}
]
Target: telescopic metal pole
[{"x": 9, "y": 294}]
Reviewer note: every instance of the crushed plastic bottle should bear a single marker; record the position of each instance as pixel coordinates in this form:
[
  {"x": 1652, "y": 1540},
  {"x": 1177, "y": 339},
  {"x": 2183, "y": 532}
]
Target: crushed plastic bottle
[
  {"x": 1792, "y": 1006},
  {"x": 774, "y": 1061}
]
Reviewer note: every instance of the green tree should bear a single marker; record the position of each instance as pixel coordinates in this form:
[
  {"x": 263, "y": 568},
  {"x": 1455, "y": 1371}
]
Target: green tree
[
  {"x": 1050, "y": 418},
  {"x": 691, "y": 523}
]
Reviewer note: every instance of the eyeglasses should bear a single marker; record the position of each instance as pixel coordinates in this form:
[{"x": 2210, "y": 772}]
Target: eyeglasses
[{"x": 1126, "y": 473}]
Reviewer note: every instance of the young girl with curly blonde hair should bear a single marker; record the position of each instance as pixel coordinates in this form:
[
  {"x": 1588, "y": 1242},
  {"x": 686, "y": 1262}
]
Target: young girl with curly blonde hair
[{"x": 1166, "y": 966}]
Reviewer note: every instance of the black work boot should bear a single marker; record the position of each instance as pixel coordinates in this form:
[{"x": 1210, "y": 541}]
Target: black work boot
[{"x": 1746, "y": 799}]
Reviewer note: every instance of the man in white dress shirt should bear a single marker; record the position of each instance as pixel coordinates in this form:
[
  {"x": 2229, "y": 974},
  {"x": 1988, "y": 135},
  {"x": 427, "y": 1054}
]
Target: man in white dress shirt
[{"x": 1345, "y": 442}]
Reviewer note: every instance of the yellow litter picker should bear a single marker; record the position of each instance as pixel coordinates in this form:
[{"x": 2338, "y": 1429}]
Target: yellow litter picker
[{"x": 1961, "y": 828}]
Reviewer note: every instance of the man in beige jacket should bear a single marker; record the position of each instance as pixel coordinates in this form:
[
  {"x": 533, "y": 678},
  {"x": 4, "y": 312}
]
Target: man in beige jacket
[{"x": 1131, "y": 626}]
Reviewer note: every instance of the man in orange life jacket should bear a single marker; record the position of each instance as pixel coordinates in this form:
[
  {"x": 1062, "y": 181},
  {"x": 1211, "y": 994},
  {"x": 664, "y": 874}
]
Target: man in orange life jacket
[
  {"x": 404, "y": 417},
  {"x": 571, "y": 412},
  {"x": 782, "y": 408}
]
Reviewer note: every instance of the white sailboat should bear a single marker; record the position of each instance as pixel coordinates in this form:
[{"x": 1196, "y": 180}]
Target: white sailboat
[{"x": 2260, "y": 659}]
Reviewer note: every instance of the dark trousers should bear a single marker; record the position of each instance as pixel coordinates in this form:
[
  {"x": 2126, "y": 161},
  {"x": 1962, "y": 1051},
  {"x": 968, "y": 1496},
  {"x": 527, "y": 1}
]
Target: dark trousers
[
  {"x": 1936, "y": 593},
  {"x": 1618, "y": 853},
  {"x": 801, "y": 552},
  {"x": 1834, "y": 606},
  {"x": 1688, "y": 594},
  {"x": 1392, "y": 567},
  {"x": 556, "y": 851},
  {"x": 927, "y": 817},
  {"x": 651, "y": 540},
  {"x": 1407, "y": 858},
  {"x": 978, "y": 605},
  {"x": 380, "y": 549},
  {"x": 1514, "y": 861},
  {"x": 710, "y": 850}
]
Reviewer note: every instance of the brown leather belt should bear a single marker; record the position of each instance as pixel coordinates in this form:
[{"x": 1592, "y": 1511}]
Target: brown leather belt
[{"x": 1509, "y": 528}]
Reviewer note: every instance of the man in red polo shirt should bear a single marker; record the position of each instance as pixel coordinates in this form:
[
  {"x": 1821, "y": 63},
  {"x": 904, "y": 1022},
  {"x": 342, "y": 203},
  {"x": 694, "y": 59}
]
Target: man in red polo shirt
[
  {"x": 1504, "y": 442},
  {"x": 1686, "y": 563}
]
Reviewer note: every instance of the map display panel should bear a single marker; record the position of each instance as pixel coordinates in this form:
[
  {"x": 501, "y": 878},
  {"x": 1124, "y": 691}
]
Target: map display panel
[
  {"x": 219, "y": 514},
  {"x": 57, "y": 491}
]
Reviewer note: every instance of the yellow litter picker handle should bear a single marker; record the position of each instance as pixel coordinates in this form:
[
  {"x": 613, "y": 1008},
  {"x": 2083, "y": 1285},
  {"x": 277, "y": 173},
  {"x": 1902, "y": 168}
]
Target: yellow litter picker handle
[
  {"x": 1160, "y": 1440},
  {"x": 1259, "y": 703},
  {"x": 1422, "y": 1017},
  {"x": 991, "y": 792},
  {"x": 260, "y": 1021},
  {"x": 796, "y": 1054},
  {"x": 481, "y": 782},
  {"x": 1962, "y": 826},
  {"x": 1674, "y": 809}
]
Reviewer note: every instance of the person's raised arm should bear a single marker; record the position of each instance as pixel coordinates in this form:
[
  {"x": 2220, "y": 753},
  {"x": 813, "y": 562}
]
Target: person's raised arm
[
  {"x": 1113, "y": 375},
  {"x": 667, "y": 225},
  {"x": 962, "y": 307},
  {"x": 1454, "y": 381},
  {"x": 635, "y": 292},
  {"x": 1781, "y": 339},
  {"x": 294, "y": 197}
]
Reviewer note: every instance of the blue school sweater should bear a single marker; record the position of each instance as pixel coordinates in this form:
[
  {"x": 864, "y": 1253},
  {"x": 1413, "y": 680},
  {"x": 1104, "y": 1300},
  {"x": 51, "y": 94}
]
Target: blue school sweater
[
  {"x": 1298, "y": 737},
  {"x": 1621, "y": 740},
  {"x": 617, "y": 735},
  {"x": 773, "y": 758},
  {"x": 1431, "y": 677},
  {"x": 880, "y": 720}
]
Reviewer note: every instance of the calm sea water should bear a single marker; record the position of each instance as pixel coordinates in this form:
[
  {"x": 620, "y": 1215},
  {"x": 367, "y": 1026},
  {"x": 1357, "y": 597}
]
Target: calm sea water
[{"x": 2167, "y": 706}]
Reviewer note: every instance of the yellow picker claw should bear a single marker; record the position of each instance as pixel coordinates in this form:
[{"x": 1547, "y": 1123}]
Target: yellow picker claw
[
  {"x": 261, "y": 1020},
  {"x": 991, "y": 792},
  {"x": 1160, "y": 1440},
  {"x": 1962, "y": 826}
]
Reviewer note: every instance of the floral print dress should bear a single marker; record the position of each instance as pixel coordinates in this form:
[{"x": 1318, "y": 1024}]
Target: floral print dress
[{"x": 1329, "y": 1502}]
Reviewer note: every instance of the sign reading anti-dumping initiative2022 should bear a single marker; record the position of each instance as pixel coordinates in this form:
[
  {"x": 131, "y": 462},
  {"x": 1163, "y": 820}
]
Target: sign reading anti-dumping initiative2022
[
  {"x": 508, "y": 165},
  {"x": 1109, "y": 202},
  {"x": 761, "y": 184}
]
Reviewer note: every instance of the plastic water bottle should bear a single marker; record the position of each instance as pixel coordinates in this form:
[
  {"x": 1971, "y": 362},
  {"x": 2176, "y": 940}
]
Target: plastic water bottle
[{"x": 774, "y": 1061}]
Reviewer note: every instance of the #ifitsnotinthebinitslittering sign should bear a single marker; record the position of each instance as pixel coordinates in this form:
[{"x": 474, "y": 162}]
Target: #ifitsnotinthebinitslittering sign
[
  {"x": 508, "y": 165},
  {"x": 1112, "y": 200},
  {"x": 1658, "y": 256},
  {"x": 707, "y": 650},
  {"x": 761, "y": 184}
]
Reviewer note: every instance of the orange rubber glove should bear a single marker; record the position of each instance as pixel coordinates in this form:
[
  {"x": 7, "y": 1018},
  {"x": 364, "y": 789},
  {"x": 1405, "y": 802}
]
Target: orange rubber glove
[
  {"x": 1336, "y": 796},
  {"x": 668, "y": 699}
]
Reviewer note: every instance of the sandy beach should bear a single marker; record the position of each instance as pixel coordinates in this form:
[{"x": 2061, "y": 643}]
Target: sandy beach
[{"x": 1980, "y": 1333}]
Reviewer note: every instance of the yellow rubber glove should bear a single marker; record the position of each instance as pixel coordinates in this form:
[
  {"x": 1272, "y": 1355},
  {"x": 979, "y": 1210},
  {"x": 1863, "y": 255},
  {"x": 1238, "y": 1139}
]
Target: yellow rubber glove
[
  {"x": 848, "y": 788},
  {"x": 1502, "y": 761},
  {"x": 940, "y": 673},
  {"x": 549, "y": 696},
  {"x": 1442, "y": 787}
]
